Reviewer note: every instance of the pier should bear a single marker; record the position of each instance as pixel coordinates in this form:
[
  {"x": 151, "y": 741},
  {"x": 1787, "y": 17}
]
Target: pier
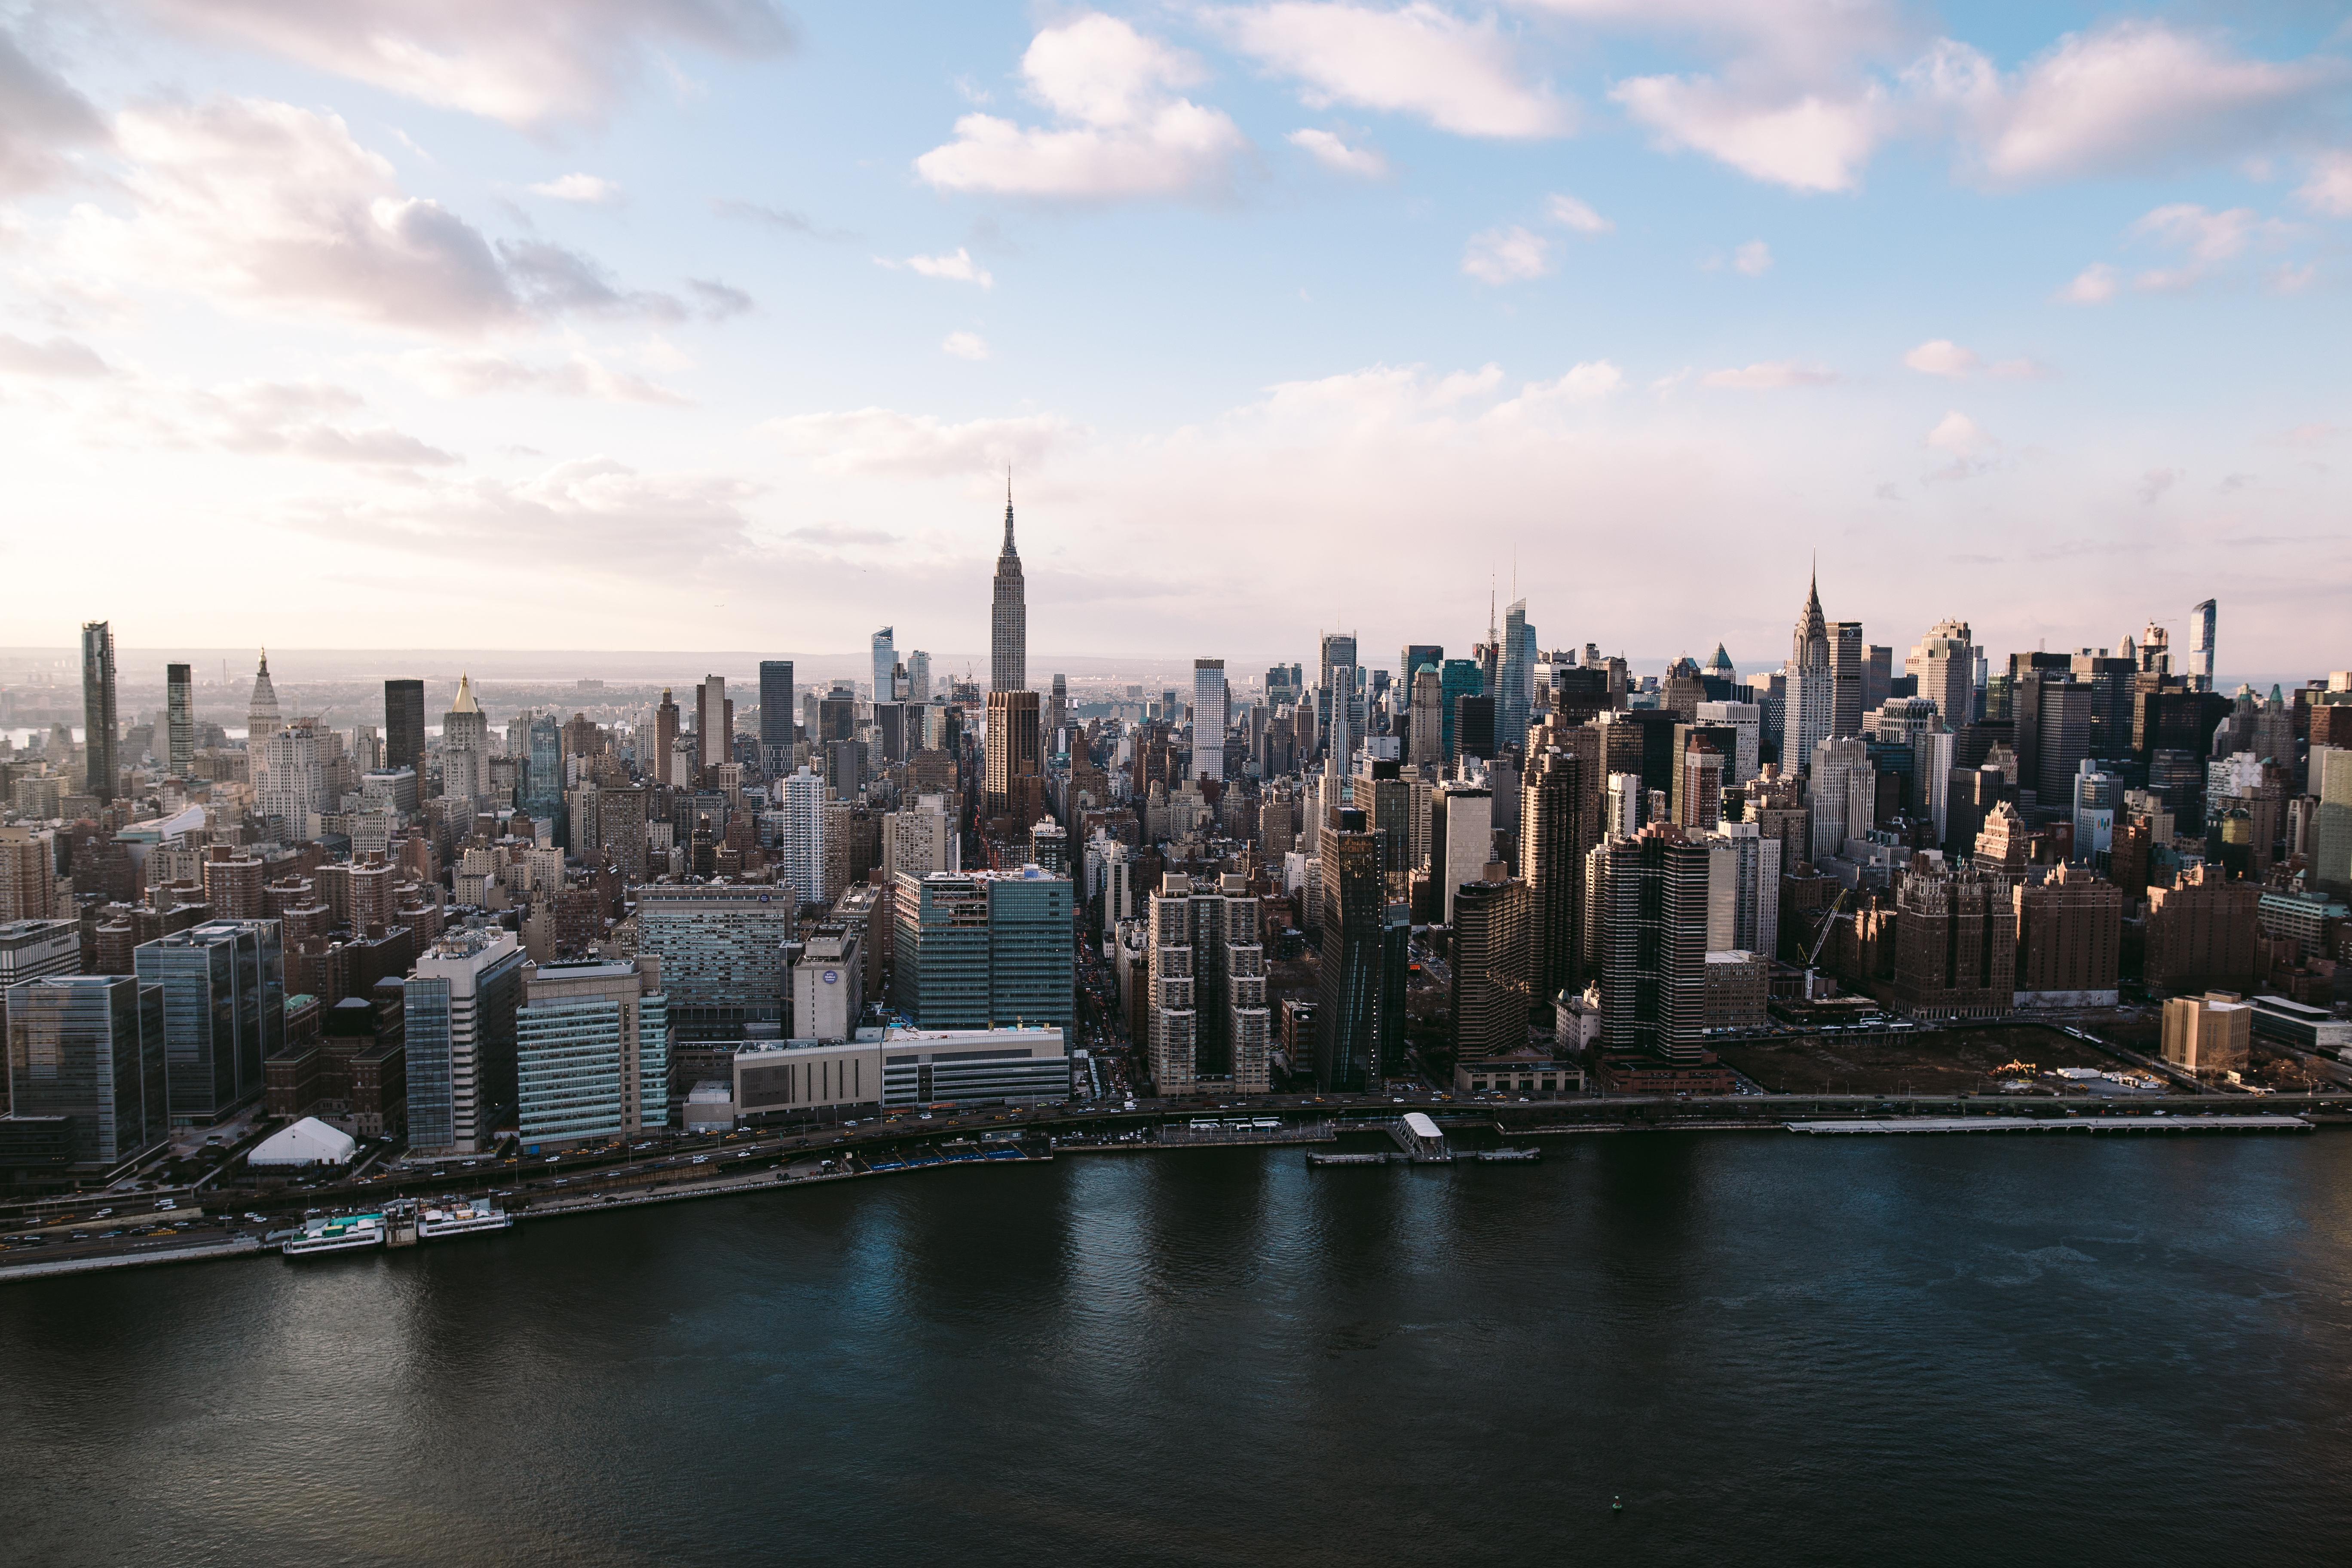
[{"x": 2136, "y": 1124}]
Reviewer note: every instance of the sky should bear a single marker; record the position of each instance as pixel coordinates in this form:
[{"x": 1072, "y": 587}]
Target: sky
[{"x": 709, "y": 324}]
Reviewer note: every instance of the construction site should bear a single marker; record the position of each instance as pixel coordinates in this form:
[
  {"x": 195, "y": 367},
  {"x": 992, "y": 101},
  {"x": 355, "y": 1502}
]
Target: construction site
[{"x": 1914, "y": 1061}]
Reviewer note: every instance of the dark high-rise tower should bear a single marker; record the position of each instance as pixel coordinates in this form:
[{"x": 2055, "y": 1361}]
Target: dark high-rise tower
[
  {"x": 178, "y": 719},
  {"x": 99, "y": 730},
  {"x": 1008, "y": 618},
  {"x": 1359, "y": 1018},
  {"x": 404, "y": 725},
  {"x": 776, "y": 716}
]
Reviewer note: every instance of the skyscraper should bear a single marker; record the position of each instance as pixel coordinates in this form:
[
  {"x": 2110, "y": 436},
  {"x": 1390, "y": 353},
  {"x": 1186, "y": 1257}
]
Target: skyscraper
[
  {"x": 1945, "y": 666},
  {"x": 1555, "y": 834},
  {"x": 1012, "y": 749},
  {"x": 2201, "y": 653},
  {"x": 918, "y": 676},
  {"x": 1491, "y": 928},
  {"x": 800, "y": 833},
  {"x": 1209, "y": 718},
  {"x": 1457, "y": 678},
  {"x": 1654, "y": 909},
  {"x": 90, "y": 1047},
  {"x": 1008, "y": 616},
  {"x": 777, "y": 716},
  {"x": 404, "y": 726},
  {"x": 466, "y": 747},
  {"x": 459, "y": 1006},
  {"x": 178, "y": 719},
  {"x": 1811, "y": 702},
  {"x": 1334, "y": 696},
  {"x": 223, "y": 1012},
  {"x": 1849, "y": 676},
  {"x": 1207, "y": 980},
  {"x": 1518, "y": 668},
  {"x": 1425, "y": 731},
  {"x": 885, "y": 664},
  {"x": 665, "y": 740},
  {"x": 983, "y": 950},
  {"x": 714, "y": 724},
  {"x": 591, "y": 1051},
  {"x": 99, "y": 732},
  {"x": 1359, "y": 1018}
]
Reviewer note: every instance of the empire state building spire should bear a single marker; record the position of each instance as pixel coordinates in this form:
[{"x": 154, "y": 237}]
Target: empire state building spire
[{"x": 1008, "y": 645}]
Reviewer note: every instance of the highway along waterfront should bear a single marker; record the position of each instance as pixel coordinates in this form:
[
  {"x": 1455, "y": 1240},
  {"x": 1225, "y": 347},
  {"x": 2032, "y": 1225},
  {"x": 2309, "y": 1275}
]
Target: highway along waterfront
[{"x": 2039, "y": 1350}]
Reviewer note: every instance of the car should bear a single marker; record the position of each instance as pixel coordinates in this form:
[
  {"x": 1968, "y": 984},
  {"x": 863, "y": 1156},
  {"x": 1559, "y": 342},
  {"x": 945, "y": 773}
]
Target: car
[
  {"x": 167, "y": 1203},
  {"x": 551, "y": 1159},
  {"x": 701, "y": 1159}
]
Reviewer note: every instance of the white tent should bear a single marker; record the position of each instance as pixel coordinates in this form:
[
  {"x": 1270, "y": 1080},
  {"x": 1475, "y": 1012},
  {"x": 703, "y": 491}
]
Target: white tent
[{"x": 309, "y": 1142}]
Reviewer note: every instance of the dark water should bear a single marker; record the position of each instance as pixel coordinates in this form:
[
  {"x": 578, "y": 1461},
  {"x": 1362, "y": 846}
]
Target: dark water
[{"x": 1777, "y": 1350}]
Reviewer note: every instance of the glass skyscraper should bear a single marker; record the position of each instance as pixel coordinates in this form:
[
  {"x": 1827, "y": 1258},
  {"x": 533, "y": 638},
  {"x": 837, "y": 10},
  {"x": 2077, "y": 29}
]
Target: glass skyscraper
[
  {"x": 979, "y": 950},
  {"x": 224, "y": 986}
]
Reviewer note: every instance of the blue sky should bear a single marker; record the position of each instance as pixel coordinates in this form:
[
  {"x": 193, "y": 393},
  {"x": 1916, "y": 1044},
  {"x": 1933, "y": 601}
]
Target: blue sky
[{"x": 703, "y": 324}]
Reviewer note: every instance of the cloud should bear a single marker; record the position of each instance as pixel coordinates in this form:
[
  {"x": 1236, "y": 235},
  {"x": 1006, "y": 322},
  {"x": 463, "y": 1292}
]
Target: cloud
[
  {"x": 554, "y": 278},
  {"x": 2155, "y": 482},
  {"x": 1941, "y": 356},
  {"x": 1459, "y": 76},
  {"x": 58, "y": 358},
  {"x": 587, "y": 189},
  {"x": 1816, "y": 142},
  {"x": 2094, "y": 285},
  {"x": 40, "y": 116},
  {"x": 720, "y": 301},
  {"x": 465, "y": 374},
  {"x": 2130, "y": 97},
  {"x": 965, "y": 345},
  {"x": 1575, "y": 214},
  {"x": 312, "y": 420},
  {"x": 1754, "y": 258},
  {"x": 1793, "y": 36},
  {"x": 1773, "y": 376},
  {"x": 1329, "y": 151},
  {"x": 958, "y": 268},
  {"x": 2211, "y": 240},
  {"x": 1968, "y": 444},
  {"x": 1511, "y": 254},
  {"x": 2328, "y": 192},
  {"x": 775, "y": 217},
  {"x": 1121, "y": 130},
  {"x": 526, "y": 62},
  {"x": 2020, "y": 368},
  {"x": 593, "y": 512},
  {"x": 883, "y": 442}
]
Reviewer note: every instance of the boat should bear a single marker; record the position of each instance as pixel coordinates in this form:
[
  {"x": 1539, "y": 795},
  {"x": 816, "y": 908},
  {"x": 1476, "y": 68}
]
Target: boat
[
  {"x": 338, "y": 1233},
  {"x": 461, "y": 1219}
]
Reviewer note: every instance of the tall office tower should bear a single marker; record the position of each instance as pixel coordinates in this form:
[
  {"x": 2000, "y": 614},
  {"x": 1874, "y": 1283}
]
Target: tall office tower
[
  {"x": 1456, "y": 679},
  {"x": 28, "y": 874},
  {"x": 1846, "y": 671},
  {"x": 260, "y": 723},
  {"x": 885, "y": 665},
  {"x": 1653, "y": 905},
  {"x": 918, "y": 676},
  {"x": 1426, "y": 725},
  {"x": 542, "y": 798},
  {"x": 1344, "y": 727},
  {"x": 459, "y": 1004},
  {"x": 89, "y": 1048},
  {"x": 1413, "y": 657},
  {"x": 714, "y": 724},
  {"x": 1554, "y": 833},
  {"x": 223, "y": 1012},
  {"x": 1008, "y": 615},
  {"x": 798, "y": 829},
  {"x": 466, "y": 747},
  {"x": 1842, "y": 793},
  {"x": 101, "y": 734},
  {"x": 1359, "y": 1017},
  {"x": 2097, "y": 795},
  {"x": 722, "y": 954},
  {"x": 1209, "y": 718},
  {"x": 919, "y": 838},
  {"x": 1746, "y": 721},
  {"x": 1944, "y": 664},
  {"x": 1754, "y": 862},
  {"x": 1699, "y": 800},
  {"x": 1955, "y": 942},
  {"x": 1207, "y": 987},
  {"x": 983, "y": 950},
  {"x": 1622, "y": 802},
  {"x": 777, "y": 717},
  {"x": 1012, "y": 749},
  {"x": 2201, "y": 653},
  {"x": 1812, "y": 689},
  {"x": 1682, "y": 690},
  {"x": 837, "y": 717},
  {"x": 1474, "y": 728},
  {"x": 1518, "y": 672},
  {"x": 292, "y": 781},
  {"x": 592, "y": 1052},
  {"x": 1877, "y": 675},
  {"x": 1336, "y": 684},
  {"x": 404, "y": 725},
  {"x": 666, "y": 741},
  {"x": 2053, "y": 733},
  {"x": 1058, "y": 708},
  {"x": 1493, "y": 938},
  {"x": 179, "y": 720},
  {"x": 2330, "y": 774}
]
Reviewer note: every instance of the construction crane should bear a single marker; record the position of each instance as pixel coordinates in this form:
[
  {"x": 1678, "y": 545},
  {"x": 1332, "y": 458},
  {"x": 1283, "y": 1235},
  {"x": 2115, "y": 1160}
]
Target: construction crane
[{"x": 1829, "y": 923}]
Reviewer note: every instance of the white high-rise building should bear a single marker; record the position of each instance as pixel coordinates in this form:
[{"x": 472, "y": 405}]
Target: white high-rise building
[
  {"x": 801, "y": 801},
  {"x": 918, "y": 676},
  {"x": 1209, "y": 718},
  {"x": 919, "y": 838},
  {"x": 1811, "y": 709},
  {"x": 466, "y": 747},
  {"x": 1945, "y": 663},
  {"x": 459, "y": 1028},
  {"x": 1752, "y": 863},
  {"x": 885, "y": 664},
  {"x": 1008, "y": 615},
  {"x": 1746, "y": 720},
  {"x": 1842, "y": 791},
  {"x": 293, "y": 779}
]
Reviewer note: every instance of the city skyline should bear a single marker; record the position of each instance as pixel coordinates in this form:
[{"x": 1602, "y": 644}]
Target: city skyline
[{"x": 2043, "y": 300}]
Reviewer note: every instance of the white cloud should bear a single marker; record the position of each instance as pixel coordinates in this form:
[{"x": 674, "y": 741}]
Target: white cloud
[
  {"x": 1816, "y": 142},
  {"x": 2209, "y": 240},
  {"x": 1122, "y": 131},
  {"x": 2094, "y": 285},
  {"x": 1968, "y": 444},
  {"x": 1333, "y": 153},
  {"x": 2329, "y": 189},
  {"x": 2288, "y": 278},
  {"x": 958, "y": 268},
  {"x": 965, "y": 345},
  {"x": 58, "y": 358},
  {"x": 587, "y": 189},
  {"x": 2131, "y": 96},
  {"x": 40, "y": 117},
  {"x": 526, "y": 62},
  {"x": 883, "y": 442},
  {"x": 1754, "y": 258},
  {"x": 1459, "y": 76},
  {"x": 1577, "y": 215},
  {"x": 1941, "y": 356},
  {"x": 2020, "y": 369},
  {"x": 1794, "y": 36},
  {"x": 461, "y": 374},
  {"x": 1510, "y": 255},
  {"x": 593, "y": 512},
  {"x": 1771, "y": 376}
]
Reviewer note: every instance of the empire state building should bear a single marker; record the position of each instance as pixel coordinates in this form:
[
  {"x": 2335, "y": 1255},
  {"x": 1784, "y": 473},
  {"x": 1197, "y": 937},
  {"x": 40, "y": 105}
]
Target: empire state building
[{"x": 1008, "y": 645}]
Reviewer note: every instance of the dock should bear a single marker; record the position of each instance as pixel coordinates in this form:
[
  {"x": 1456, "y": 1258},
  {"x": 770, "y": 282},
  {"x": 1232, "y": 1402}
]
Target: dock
[{"x": 2139, "y": 1124}]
